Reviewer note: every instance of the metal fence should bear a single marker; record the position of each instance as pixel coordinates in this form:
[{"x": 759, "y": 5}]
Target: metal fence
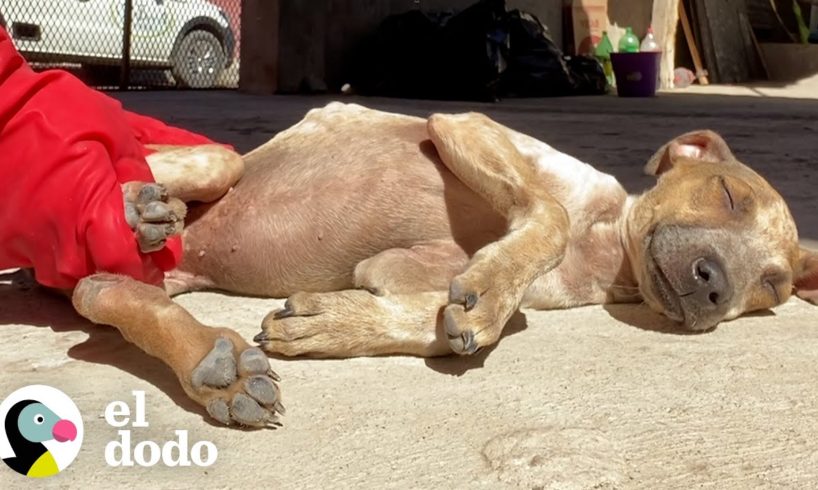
[{"x": 131, "y": 44}]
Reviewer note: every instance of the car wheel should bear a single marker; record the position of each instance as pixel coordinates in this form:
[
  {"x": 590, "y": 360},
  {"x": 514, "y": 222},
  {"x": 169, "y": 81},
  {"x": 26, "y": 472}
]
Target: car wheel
[{"x": 198, "y": 60}]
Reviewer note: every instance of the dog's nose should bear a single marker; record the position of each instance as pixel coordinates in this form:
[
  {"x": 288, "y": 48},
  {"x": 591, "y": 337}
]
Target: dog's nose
[{"x": 711, "y": 286}]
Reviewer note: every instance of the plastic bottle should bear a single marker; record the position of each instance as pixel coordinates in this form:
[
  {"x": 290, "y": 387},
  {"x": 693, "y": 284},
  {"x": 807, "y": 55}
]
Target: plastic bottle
[
  {"x": 603, "y": 52},
  {"x": 629, "y": 43},
  {"x": 649, "y": 42}
]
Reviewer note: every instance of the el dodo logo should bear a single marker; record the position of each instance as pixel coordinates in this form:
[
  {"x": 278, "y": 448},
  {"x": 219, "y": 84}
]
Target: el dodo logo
[
  {"x": 41, "y": 431},
  {"x": 177, "y": 452}
]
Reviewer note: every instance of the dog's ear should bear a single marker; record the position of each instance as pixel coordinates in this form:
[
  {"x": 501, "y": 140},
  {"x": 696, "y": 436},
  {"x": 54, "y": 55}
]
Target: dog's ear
[
  {"x": 806, "y": 276},
  {"x": 702, "y": 145}
]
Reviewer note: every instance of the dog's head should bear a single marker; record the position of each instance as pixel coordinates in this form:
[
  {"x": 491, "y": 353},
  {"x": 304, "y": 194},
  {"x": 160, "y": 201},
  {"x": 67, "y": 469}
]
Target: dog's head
[{"x": 712, "y": 239}]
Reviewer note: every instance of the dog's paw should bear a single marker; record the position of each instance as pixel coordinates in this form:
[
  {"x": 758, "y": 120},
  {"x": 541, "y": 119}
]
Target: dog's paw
[
  {"x": 338, "y": 324},
  {"x": 308, "y": 323},
  {"x": 479, "y": 307},
  {"x": 355, "y": 323},
  {"x": 152, "y": 214},
  {"x": 237, "y": 386}
]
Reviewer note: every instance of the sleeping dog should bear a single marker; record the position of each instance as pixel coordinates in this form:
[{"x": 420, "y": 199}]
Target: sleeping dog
[{"x": 397, "y": 234}]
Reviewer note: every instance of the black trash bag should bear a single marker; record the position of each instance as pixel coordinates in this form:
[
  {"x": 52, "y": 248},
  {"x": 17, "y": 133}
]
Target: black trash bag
[
  {"x": 436, "y": 56},
  {"x": 538, "y": 68},
  {"x": 481, "y": 53},
  {"x": 588, "y": 76},
  {"x": 471, "y": 45},
  {"x": 395, "y": 60}
]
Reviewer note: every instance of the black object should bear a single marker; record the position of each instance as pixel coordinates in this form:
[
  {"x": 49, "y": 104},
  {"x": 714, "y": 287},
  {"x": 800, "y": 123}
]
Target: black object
[
  {"x": 26, "y": 453},
  {"x": 481, "y": 53}
]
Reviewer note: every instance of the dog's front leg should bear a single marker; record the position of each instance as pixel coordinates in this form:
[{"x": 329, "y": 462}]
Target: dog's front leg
[
  {"x": 201, "y": 173},
  {"x": 215, "y": 366},
  {"x": 482, "y": 298}
]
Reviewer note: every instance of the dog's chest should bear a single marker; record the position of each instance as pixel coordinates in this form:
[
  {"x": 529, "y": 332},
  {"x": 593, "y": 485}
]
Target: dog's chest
[
  {"x": 587, "y": 274},
  {"x": 595, "y": 203}
]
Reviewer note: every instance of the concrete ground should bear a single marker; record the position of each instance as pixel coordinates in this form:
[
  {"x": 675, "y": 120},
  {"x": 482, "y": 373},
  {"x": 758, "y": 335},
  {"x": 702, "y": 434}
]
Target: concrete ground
[
  {"x": 806, "y": 88},
  {"x": 597, "y": 397}
]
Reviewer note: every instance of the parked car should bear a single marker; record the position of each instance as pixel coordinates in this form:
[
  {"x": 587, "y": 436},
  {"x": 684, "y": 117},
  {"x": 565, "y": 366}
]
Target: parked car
[{"x": 192, "y": 38}]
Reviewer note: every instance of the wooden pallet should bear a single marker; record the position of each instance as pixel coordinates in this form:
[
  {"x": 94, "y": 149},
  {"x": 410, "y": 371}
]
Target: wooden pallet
[{"x": 727, "y": 41}]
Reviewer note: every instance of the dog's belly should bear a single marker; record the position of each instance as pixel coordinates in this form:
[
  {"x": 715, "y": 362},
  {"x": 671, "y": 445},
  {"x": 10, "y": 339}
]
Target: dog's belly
[{"x": 314, "y": 203}]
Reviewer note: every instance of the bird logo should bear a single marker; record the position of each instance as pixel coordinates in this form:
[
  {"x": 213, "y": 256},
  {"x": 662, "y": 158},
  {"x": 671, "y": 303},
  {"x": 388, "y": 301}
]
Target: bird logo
[{"x": 42, "y": 429}]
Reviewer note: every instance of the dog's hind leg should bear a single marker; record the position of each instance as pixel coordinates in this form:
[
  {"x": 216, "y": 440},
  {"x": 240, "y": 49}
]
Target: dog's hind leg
[
  {"x": 426, "y": 266},
  {"x": 195, "y": 173},
  {"x": 398, "y": 313},
  {"x": 482, "y": 298},
  {"x": 357, "y": 323},
  {"x": 179, "y": 282},
  {"x": 215, "y": 366}
]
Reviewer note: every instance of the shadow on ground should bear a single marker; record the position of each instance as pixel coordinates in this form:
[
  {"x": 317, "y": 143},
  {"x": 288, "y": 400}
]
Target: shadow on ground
[
  {"x": 22, "y": 303},
  {"x": 642, "y": 317},
  {"x": 459, "y": 365}
]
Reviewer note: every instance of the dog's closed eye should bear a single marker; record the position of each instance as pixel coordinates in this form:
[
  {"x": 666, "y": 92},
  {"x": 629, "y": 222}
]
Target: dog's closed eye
[
  {"x": 773, "y": 290},
  {"x": 772, "y": 282},
  {"x": 727, "y": 194}
]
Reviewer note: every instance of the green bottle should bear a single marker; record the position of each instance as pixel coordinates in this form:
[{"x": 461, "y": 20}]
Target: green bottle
[
  {"x": 603, "y": 52},
  {"x": 629, "y": 43}
]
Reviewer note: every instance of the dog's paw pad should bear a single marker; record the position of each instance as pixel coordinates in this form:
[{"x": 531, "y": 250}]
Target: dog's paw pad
[
  {"x": 152, "y": 192},
  {"x": 218, "y": 368},
  {"x": 262, "y": 389},
  {"x": 152, "y": 214},
  {"x": 247, "y": 411},
  {"x": 157, "y": 212},
  {"x": 219, "y": 410},
  {"x": 254, "y": 361},
  {"x": 152, "y": 237},
  {"x": 237, "y": 387}
]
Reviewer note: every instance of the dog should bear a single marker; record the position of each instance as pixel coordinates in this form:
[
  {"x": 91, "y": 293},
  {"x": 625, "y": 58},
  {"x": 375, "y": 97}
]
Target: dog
[{"x": 392, "y": 234}]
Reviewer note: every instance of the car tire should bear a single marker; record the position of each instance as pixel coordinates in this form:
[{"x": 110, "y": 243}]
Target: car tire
[{"x": 198, "y": 60}]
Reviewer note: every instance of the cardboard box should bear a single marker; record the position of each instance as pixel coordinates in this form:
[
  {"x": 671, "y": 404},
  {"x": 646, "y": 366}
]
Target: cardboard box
[{"x": 589, "y": 19}]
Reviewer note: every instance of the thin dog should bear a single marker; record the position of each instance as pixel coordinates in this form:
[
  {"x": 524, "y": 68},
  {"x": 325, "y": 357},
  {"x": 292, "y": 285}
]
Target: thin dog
[{"x": 397, "y": 234}]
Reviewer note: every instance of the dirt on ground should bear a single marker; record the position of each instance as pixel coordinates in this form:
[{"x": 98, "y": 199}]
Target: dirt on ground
[{"x": 596, "y": 397}]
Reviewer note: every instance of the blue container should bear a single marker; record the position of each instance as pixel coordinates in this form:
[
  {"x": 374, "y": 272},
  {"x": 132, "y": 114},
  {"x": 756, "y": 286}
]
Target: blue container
[{"x": 637, "y": 74}]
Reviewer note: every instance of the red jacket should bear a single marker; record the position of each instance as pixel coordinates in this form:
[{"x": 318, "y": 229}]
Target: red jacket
[{"x": 64, "y": 150}]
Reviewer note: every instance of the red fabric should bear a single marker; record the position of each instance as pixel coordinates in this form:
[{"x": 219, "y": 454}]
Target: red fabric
[{"x": 64, "y": 150}]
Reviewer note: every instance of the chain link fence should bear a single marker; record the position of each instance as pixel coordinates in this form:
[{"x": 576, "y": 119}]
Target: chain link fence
[{"x": 131, "y": 44}]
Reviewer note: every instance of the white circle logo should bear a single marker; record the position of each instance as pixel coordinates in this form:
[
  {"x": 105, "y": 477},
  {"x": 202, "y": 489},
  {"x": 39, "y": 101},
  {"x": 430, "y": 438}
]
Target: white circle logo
[{"x": 41, "y": 431}]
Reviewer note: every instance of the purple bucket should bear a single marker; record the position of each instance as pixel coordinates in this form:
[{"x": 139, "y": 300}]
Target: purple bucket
[{"x": 637, "y": 74}]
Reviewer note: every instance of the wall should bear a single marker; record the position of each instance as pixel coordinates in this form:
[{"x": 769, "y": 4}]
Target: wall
[
  {"x": 629, "y": 13},
  {"x": 258, "y": 70}
]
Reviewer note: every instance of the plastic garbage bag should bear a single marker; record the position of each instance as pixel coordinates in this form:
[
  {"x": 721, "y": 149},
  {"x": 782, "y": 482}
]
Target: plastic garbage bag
[{"x": 481, "y": 53}]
